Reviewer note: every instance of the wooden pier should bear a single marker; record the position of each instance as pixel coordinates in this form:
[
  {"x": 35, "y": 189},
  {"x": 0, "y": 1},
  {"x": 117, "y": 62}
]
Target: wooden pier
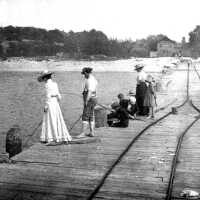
[{"x": 73, "y": 171}]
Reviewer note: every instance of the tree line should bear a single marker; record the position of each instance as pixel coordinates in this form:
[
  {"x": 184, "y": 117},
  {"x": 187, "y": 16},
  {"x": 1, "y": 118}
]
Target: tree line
[{"x": 31, "y": 41}]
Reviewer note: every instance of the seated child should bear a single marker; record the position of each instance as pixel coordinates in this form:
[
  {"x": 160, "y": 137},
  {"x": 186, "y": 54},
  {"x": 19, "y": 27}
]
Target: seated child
[
  {"x": 132, "y": 108},
  {"x": 150, "y": 97}
]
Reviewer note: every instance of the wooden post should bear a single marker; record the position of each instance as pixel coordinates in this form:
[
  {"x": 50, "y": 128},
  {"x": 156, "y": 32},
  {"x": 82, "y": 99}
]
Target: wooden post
[
  {"x": 13, "y": 141},
  {"x": 100, "y": 117},
  {"x": 174, "y": 111}
]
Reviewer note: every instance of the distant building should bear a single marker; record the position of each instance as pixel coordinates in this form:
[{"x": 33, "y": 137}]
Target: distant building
[
  {"x": 167, "y": 49},
  {"x": 153, "y": 54}
]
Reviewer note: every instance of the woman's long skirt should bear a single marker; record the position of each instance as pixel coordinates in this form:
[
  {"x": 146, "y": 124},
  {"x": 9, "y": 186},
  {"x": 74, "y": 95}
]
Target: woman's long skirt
[
  {"x": 140, "y": 95},
  {"x": 54, "y": 127}
]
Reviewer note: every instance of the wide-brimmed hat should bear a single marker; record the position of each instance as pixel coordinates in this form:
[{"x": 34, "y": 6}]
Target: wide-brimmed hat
[
  {"x": 86, "y": 70},
  {"x": 139, "y": 66},
  {"x": 43, "y": 75}
]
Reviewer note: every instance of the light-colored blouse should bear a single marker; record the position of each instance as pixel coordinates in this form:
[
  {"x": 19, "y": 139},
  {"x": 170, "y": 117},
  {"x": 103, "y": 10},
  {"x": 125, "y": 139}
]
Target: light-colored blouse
[
  {"x": 91, "y": 84},
  {"x": 52, "y": 91},
  {"x": 141, "y": 77}
]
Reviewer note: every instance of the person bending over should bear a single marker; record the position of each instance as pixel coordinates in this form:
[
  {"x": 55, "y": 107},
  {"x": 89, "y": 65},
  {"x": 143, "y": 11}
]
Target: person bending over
[{"x": 119, "y": 117}]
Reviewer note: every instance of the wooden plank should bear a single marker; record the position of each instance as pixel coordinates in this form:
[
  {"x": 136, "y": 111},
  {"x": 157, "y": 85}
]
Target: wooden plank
[
  {"x": 79, "y": 192},
  {"x": 187, "y": 173},
  {"x": 73, "y": 171},
  {"x": 27, "y": 195}
]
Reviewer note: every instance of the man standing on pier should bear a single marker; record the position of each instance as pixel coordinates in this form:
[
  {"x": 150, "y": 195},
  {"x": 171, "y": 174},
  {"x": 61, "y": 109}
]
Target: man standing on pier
[{"x": 89, "y": 101}]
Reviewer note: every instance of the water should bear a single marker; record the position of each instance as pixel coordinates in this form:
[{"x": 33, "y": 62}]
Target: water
[
  {"x": 151, "y": 64},
  {"x": 22, "y": 97}
]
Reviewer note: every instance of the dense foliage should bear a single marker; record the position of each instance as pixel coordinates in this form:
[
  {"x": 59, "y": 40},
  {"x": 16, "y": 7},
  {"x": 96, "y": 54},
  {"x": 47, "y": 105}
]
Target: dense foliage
[
  {"x": 30, "y": 41},
  {"x": 194, "y": 42}
]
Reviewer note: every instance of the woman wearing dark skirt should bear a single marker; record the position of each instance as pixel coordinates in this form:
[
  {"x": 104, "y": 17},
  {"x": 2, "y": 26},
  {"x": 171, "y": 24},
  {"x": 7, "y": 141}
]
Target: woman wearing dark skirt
[{"x": 141, "y": 90}]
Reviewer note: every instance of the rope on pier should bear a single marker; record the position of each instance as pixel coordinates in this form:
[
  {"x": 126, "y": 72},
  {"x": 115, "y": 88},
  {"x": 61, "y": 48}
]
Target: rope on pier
[
  {"x": 99, "y": 104},
  {"x": 109, "y": 109},
  {"x": 32, "y": 134},
  {"x": 180, "y": 139},
  {"x": 100, "y": 184},
  {"x": 105, "y": 107},
  {"x": 194, "y": 106},
  {"x": 188, "y": 80},
  {"x": 96, "y": 190},
  {"x": 40, "y": 123},
  {"x": 174, "y": 162},
  {"x": 73, "y": 125}
]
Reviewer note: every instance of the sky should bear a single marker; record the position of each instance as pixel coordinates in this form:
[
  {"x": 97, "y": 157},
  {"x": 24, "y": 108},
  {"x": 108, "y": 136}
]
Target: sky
[{"x": 121, "y": 19}]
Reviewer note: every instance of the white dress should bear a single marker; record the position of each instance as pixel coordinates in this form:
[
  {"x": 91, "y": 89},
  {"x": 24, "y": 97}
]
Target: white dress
[{"x": 53, "y": 126}]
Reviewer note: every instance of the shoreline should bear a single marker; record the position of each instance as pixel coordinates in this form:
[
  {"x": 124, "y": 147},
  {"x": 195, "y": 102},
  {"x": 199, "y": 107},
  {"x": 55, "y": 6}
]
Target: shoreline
[
  {"x": 152, "y": 65},
  {"x": 22, "y": 96}
]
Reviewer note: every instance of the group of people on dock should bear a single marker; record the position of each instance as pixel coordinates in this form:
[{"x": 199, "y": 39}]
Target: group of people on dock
[
  {"x": 145, "y": 93},
  {"x": 141, "y": 103},
  {"x": 54, "y": 129}
]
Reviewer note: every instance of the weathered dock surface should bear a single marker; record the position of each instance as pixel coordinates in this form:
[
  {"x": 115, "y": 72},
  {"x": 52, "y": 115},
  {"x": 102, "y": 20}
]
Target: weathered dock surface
[
  {"x": 187, "y": 172},
  {"x": 73, "y": 171}
]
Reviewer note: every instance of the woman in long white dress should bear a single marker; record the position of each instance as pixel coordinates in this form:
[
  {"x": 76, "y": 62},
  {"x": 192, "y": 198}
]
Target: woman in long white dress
[{"x": 54, "y": 129}]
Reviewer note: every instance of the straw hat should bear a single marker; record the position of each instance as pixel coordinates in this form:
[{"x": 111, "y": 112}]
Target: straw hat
[
  {"x": 139, "y": 66},
  {"x": 43, "y": 75}
]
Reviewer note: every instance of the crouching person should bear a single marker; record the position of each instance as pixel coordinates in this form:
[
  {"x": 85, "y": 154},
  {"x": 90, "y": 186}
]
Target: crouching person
[
  {"x": 120, "y": 116},
  {"x": 89, "y": 102},
  {"x": 112, "y": 117},
  {"x": 123, "y": 115}
]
